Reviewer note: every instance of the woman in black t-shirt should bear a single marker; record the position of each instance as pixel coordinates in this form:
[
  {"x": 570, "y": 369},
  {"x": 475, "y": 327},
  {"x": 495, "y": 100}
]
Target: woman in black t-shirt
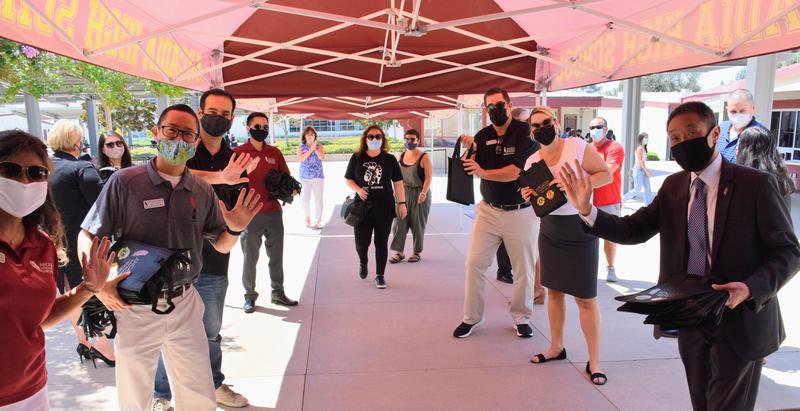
[{"x": 375, "y": 176}]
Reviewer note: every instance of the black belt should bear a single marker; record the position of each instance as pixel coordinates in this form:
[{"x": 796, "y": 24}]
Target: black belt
[
  {"x": 511, "y": 207},
  {"x": 176, "y": 292}
]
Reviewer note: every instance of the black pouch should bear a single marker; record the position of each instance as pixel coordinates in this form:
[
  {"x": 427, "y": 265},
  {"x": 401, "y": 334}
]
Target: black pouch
[
  {"x": 152, "y": 271},
  {"x": 460, "y": 188},
  {"x": 548, "y": 197},
  {"x": 281, "y": 186}
]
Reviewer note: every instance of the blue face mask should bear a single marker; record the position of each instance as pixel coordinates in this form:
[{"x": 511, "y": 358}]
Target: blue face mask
[
  {"x": 176, "y": 151},
  {"x": 412, "y": 146},
  {"x": 597, "y": 134},
  {"x": 374, "y": 145}
]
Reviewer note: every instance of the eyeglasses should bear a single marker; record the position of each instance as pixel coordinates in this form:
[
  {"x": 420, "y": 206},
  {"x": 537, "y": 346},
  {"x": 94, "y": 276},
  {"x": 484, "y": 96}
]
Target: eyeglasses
[
  {"x": 545, "y": 123},
  {"x": 189, "y": 136},
  {"x": 596, "y": 127},
  {"x": 14, "y": 171},
  {"x": 114, "y": 144},
  {"x": 374, "y": 137},
  {"x": 260, "y": 127}
]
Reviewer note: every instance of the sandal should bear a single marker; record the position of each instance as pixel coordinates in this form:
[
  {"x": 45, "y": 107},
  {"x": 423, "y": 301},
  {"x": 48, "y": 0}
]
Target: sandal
[
  {"x": 414, "y": 258},
  {"x": 539, "y": 299},
  {"x": 397, "y": 258},
  {"x": 308, "y": 222},
  {"x": 596, "y": 375},
  {"x": 541, "y": 359}
]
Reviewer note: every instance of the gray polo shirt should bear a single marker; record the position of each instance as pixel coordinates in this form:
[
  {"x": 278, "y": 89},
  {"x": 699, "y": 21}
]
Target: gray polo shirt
[{"x": 138, "y": 204}]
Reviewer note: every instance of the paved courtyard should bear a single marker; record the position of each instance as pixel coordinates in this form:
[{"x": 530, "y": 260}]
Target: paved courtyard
[{"x": 349, "y": 346}]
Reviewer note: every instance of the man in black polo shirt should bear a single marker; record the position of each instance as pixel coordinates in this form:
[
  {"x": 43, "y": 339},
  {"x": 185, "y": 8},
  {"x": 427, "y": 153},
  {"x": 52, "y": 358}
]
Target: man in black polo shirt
[
  {"x": 216, "y": 164},
  {"x": 502, "y": 216}
]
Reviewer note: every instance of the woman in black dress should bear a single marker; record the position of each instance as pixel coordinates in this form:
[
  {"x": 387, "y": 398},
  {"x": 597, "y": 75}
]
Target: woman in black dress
[{"x": 375, "y": 176}]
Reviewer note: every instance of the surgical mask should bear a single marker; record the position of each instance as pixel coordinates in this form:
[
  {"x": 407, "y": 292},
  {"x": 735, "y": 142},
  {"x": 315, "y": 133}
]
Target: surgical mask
[
  {"x": 20, "y": 199},
  {"x": 114, "y": 153},
  {"x": 215, "y": 125},
  {"x": 374, "y": 145},
  {"x": 645, "y": 141},
  {"x": 597, "y": 134},
  {"x": 545, "y": 134},
  {"x": 498, "y": 114},
  {"x": 259, "y": 135},
  {"x": 176, "y": 151},
  {"x": 740, "y": 120},
  {"x": 693, "y": 155},
  {"x": 412, "y": 146}
]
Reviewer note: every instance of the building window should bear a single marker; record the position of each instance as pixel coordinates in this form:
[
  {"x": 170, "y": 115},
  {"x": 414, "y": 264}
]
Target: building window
[{"x": 783, "y": 127}]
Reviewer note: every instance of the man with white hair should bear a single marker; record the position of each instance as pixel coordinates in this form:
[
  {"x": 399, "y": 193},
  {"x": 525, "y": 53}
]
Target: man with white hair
[{"x": 741, "y": 108}]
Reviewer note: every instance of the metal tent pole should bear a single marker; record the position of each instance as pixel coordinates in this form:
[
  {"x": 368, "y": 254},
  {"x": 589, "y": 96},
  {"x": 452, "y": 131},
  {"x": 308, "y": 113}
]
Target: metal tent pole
[{"x": 631, "y": 115}]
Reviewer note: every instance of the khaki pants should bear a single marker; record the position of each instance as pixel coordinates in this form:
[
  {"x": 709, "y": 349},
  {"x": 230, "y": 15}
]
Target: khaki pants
[
  {"x": 519, "y": 230},
  {"x": 181, "y": 338}
]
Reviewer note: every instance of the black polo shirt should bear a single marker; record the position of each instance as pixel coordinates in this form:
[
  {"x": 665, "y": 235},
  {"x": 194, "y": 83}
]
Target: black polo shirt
[
  {"x": 214, "y": 262},
  {"x": 493, "y": 152}
]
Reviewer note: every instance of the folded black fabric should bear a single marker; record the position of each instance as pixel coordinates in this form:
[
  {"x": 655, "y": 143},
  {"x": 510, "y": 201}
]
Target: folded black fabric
[
  {"x": 686, "y": 302},
  {"x": 548, "y": 196},
  {"x": 282, "y": 186}
]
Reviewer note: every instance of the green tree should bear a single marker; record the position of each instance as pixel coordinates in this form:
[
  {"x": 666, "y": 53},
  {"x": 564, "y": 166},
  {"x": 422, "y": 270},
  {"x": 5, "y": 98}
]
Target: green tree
[
  {"x": 665, "y": 82},
  {"x": 24, "y": 69}
]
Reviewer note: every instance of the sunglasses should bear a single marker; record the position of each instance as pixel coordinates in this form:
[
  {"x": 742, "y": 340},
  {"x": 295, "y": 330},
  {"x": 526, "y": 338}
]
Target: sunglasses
[
  {"x": 260, "y": 127},
  {"x": 596, "y": 127},
  {"x": 500, "y": 105},
  {"x": 14, "y": 171},
  {"x": 114, "y": 144},
  {"x": 374, "y": 137},
  {"x": 545, "y": 123}
]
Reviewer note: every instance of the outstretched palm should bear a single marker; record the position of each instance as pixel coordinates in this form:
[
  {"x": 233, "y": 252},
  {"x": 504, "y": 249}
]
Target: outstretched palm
[
  {"x": 577, "y": 187},
  {"x": 97, "y": 264},
  {"x": 232, "y": 174},
  {"x": 243, "y": 212}
]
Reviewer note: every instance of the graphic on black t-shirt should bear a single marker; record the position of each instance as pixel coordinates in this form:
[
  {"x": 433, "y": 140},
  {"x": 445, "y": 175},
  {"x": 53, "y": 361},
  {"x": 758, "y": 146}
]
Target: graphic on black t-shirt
[{"x": 373, "y": 173}]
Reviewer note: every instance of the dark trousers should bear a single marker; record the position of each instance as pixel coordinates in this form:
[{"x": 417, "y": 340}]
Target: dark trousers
[
  {"x": 718, "y": 379},
  {"x": 364, "y": 232},
  {"x": 270, "y": 227},
  {"x": 503, "y": 261}
]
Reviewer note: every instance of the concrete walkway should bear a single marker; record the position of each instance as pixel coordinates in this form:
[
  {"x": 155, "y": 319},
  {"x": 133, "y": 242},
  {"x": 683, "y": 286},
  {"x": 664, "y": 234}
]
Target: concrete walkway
[{"x": 349, "y": 346}]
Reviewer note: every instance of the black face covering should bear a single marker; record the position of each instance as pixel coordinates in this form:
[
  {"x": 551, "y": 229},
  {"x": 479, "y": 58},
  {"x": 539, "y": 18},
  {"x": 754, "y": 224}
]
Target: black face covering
[
  {"x": 215, "y": 125},
  {"x": 545, "y": 134},
  {"x": 693, "y": 155},
  {"x": 259, "y": 135},
  {"x": 498, "y": 114}
]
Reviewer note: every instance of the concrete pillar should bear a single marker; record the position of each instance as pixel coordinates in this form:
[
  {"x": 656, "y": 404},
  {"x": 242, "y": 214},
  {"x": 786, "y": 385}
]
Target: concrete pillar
[
  {"x": 543, "y": 97},
  {"x": 271, "y": 129},
  {"x": 631, "y": 115},
  {"x": 34, "y": 116},
  {"x": 196, "y": 101},
  {"x": 91, "y": 124},
  {"x": 761, "y": 82},
  {"x": 161, "y": 104}
]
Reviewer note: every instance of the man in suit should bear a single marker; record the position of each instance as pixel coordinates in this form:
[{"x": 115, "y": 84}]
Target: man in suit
[{"x": 727, "y": 223}]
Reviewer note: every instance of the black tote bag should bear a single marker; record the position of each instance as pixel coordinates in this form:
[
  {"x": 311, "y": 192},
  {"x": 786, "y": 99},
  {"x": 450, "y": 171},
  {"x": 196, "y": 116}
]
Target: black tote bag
[{"x": 460, "y": 188}]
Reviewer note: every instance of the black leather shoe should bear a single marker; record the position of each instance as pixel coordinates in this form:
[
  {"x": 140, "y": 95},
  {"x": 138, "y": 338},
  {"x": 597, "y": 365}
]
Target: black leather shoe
[
  {"x": 505, "y": 278},
  {"x": 362, "y": 271},
  {"x": 280, "y": 298},
  {"x": 249, "y": 306}
]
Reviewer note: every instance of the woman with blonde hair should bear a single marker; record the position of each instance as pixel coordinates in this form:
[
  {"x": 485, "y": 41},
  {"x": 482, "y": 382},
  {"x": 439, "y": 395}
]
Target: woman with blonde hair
[{"x": 75, "y": 185}]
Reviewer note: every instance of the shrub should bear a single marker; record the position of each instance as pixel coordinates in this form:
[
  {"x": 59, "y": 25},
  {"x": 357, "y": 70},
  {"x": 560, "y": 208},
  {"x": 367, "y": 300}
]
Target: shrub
[{"x": 652, "y": 156}]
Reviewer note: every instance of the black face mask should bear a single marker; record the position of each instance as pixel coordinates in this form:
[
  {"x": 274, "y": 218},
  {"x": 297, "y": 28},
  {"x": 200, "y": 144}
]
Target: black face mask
[
  {"x": 498, "y": 114},
  {"x": 693, "y": 155},
  {"x": 545, "y": 134},
  {"x": 215, "y": 125},
  {"x": 259, "y": 135}
]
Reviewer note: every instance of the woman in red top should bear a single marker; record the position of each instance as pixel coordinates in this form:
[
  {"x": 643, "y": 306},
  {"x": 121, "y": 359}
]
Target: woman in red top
[{"x": 31, "y": 247}]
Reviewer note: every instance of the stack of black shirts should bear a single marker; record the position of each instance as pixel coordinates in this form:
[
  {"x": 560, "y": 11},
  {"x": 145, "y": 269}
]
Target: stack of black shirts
[{"x": 682, "y": 303}]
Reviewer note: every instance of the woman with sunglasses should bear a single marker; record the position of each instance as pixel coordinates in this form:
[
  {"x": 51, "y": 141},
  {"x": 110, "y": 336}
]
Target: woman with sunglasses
[
  {"x": 417, "y": 170},
  {"x": 114, "y": 152},
  {"x": 310, "y": 153},
  {"x": 75, "y": 185},
  {"x": 31, "y": 249},
  {"x": 569, "y": 256},
  {"x": 375, "y": 176}
]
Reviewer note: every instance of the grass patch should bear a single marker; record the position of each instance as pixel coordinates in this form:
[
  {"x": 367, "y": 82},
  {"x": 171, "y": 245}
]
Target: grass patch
[{"x": 339, "y": 145}]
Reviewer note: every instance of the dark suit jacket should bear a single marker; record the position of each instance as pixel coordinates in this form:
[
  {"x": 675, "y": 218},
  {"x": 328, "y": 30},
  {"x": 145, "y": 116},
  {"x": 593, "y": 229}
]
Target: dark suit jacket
[
  {"x": 75, "y": 185},
  {"x": 753, "y": 243}
]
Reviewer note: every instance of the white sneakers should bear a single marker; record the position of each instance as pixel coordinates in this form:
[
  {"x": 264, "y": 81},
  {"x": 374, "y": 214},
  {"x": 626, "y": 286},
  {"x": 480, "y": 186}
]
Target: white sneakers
[{"x": 161, "y": 404}]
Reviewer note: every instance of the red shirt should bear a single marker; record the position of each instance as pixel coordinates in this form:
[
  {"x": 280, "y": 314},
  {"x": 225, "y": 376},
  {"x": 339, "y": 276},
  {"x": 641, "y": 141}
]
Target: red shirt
[
  {"x": 611, "y": 193},
  {"x": 271, "y": 159},
  {"x": 27, "y": 293}
]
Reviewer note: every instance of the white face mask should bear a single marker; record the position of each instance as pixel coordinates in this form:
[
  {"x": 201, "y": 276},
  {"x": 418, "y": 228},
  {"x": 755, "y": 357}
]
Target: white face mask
[
  {"x": 740, "y": 120},
  {"x": 598, "y": 134},
  {"x": 114, "y": 153},
  {"x": 644, "y": 141},
  {"x": 20, "y": 199}
]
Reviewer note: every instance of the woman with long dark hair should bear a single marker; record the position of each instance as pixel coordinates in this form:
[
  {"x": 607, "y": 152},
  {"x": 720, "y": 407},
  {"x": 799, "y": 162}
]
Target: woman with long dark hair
[
  {"x": 31, "y": 250},
  {"x": 641, "y": 175},
  {"x": 757, "y": 150},
  {"x": 114, "y": 151},
  {"x": 375, "y": 176}
]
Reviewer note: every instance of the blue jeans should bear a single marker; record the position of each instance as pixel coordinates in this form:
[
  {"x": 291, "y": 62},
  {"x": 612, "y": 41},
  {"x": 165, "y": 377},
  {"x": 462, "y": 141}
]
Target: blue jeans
[
  {"x": 212, "y": 290},
  {"x": 641, "y": 182}
]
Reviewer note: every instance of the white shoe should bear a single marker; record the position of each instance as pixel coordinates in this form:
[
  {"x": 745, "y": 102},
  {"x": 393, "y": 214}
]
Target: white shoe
[
  {"x": 230, "y": 398},
  {"x": 161, "y": 404},
  {"x": 611, "y": 275}
]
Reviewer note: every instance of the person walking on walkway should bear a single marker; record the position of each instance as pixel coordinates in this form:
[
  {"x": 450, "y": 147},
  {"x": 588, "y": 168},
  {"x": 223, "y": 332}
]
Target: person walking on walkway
[
  {"x": 608, "y": 197},
  {"x": 268, "y": 224},
  {"x": 569, "y": 256},
  {"x": 375, "y": 176},
  {"x": 310, "y": 153},
  {"x": 417, "y": 169},
  {"x": 502, "y": 216},
  {"x": 641, "y": 175}
]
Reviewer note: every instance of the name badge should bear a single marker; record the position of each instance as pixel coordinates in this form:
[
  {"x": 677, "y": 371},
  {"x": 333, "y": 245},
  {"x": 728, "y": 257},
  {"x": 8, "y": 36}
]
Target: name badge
[
  {"x": 491, "y": 142},
  {"x": 509, "y": 151},
  {"x": 155, "y": 203},
  {"x": 2, "y": 258}
]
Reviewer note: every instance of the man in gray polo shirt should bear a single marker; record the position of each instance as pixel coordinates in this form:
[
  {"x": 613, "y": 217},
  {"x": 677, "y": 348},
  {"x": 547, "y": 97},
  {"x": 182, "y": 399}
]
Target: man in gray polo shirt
[{"x": 162, "y": 204}]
